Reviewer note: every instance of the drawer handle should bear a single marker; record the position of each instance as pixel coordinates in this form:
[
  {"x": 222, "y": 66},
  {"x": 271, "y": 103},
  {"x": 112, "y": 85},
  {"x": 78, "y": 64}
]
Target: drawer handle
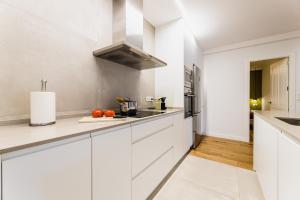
[{"x": 154, "y": 133}]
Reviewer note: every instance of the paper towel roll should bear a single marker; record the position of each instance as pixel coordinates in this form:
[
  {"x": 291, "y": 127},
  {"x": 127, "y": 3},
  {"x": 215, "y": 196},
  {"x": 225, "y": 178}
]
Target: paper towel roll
[{"x": 42, "y": 108}]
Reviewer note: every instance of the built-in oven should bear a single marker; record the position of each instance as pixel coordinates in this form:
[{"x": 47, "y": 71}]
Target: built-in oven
[
  {"x": 188, "y": 105},
  {"x": 188, "y": 92},
  {"x": 188, "y": 77}
]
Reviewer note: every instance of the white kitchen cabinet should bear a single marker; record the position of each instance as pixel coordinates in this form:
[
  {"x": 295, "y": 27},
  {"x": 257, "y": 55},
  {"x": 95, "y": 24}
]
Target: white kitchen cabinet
[
  {"x": 188, "y": 133},
  {"x": 265, "y": 156},
  {"x": 111, "y": 150},
  {"x": 145, "y": 183},
  {"x": 179, "y": 137},
  {"x": 288, "y": 168},
  {"x": 147, "y": 128},
  {"x": 146, "y": 151},
  {"x": 57, "y": 171}
]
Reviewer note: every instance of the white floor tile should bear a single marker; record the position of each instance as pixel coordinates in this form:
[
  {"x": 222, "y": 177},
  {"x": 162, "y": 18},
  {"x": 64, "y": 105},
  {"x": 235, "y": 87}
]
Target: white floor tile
[
  {"x": 198, "y": 179},
  {"x": 249, "y": 188}
]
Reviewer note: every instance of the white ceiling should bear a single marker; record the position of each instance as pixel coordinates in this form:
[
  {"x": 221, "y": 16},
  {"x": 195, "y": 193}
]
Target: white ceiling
[
  {"x": 217, "y": 22},
  {"x": 159, "y": 12}
]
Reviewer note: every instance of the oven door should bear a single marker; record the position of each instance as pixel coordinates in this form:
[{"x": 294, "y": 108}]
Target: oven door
[{"x": 188, "y": 105}]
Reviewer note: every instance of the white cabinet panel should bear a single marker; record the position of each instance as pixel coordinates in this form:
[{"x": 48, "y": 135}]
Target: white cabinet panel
[
  {"x": 145, "y": 129},
  {"x": 288, "y": 169},
  {"x": 58, "y": 172},
  {"x": 151, "y": 148},
  {"x": 179, "y": 137},
  {"x": 144, "y": 184},
  {"x": 189, "y": 133},
  {"x": 265, "y": 156},
  {"x": 112, "y": 165}
]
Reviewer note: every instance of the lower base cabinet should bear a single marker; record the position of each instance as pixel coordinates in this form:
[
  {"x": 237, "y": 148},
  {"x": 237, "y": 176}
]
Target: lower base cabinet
[
  {"x": 126, "y": 163},
  {"x": 189, "y": 132},
  {"x": 112, "y": 164},
  {"x": 265, "y": 157},
  {"x": 288, "y": 168},
  {"x": 144, "y": 184},
  {"x": 55, "y": 172}
]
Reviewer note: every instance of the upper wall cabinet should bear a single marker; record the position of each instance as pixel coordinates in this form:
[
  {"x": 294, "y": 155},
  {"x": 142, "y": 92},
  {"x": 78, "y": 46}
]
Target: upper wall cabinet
[
  {"x": 178, "y": 47},
  {"x": 60, "y": 171}
]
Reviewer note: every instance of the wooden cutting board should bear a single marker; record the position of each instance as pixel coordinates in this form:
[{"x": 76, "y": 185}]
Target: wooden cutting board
[{"x": 100, "y": 119}]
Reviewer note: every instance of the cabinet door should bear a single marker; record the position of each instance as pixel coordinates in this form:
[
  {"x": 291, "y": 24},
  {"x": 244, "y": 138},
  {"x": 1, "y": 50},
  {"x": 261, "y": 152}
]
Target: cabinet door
[
  {"x": 188, "y": 133},
  {"x": 179, "y": 139},
  {"x": 146, "y": 182},
  {"x": 112, "y": 165},
  {"x": 57, "y": 172},
  {"x": 288, "y": 168},
  {"x": 265, "y": 156}
]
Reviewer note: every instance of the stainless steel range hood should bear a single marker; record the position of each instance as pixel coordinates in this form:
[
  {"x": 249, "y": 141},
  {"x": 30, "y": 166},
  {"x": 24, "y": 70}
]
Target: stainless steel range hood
[{"x": 128, "y": 31}]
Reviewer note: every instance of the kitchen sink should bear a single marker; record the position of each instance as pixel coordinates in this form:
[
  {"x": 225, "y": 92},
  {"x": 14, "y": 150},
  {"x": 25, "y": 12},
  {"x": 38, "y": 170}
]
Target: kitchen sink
[{"x": 292, "y": 121}]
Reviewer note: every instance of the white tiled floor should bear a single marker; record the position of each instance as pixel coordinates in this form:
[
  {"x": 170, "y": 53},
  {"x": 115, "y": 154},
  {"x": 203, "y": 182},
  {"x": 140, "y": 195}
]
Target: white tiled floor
[{"x": 201, "y": 179}]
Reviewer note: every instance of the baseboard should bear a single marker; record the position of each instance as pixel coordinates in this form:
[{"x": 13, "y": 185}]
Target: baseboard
[{"x": 227, "y": 136}]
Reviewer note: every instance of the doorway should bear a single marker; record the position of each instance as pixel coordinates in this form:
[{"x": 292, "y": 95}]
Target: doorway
[{"x": 269, "y": 86}]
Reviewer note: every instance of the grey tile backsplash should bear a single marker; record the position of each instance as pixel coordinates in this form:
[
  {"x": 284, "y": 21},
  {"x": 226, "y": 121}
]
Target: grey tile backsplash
[{"x": 40, "y": 41}]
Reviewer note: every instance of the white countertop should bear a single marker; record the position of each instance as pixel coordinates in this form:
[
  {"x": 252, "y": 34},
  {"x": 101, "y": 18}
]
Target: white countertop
[
  {"x": 16, "y": 137},
  {"x": 291, "y": 131}
]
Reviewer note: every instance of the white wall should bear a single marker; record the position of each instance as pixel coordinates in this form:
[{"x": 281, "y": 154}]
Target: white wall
[
  {"x": 55, "y": 40},
  {"x": 227, "y": 85},
  {"x": 169, "y": 46}
]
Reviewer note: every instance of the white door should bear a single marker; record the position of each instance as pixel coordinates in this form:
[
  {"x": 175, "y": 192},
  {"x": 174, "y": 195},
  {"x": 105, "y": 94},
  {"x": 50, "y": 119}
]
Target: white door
[
  {"x": 112, "y": 164},
  {"x": 279, "y": 85},
  {"x": 58, "y": 172}
]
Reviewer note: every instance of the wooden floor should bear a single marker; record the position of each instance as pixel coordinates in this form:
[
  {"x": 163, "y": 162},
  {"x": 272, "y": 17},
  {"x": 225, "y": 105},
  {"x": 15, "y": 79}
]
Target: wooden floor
[{"x": 236, "y": 153}]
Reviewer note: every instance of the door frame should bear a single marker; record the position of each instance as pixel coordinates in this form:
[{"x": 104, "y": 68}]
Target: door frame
[{"x": 292, "y": 83}]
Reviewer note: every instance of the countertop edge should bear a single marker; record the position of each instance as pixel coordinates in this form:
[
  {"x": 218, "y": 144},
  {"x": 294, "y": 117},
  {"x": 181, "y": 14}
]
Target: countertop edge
[
  {"x": 278, "y": 126},
  {"x": 72, "y": 135}
]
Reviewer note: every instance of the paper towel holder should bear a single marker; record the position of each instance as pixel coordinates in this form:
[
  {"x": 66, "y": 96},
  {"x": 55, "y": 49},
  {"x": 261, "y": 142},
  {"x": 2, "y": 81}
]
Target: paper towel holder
[{"x": 47, "y": 121}]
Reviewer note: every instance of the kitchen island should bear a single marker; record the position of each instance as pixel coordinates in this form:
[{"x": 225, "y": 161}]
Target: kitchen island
[{"x": 277, "y": 155}]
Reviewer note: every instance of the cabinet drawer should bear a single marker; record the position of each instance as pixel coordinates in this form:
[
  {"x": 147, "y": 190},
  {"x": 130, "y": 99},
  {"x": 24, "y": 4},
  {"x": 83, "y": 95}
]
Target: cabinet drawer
[
  {"x": 140, "y": 131},
  {"x": 149, "y": 149},
  {"x": 144, "y": 184}
]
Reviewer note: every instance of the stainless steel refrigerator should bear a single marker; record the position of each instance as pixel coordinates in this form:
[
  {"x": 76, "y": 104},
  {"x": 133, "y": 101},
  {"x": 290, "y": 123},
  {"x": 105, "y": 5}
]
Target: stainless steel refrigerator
[{"x": 196, "y": 108}]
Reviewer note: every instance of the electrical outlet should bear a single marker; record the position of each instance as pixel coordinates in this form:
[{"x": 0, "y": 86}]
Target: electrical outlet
[{"x": 149, "y": 98}]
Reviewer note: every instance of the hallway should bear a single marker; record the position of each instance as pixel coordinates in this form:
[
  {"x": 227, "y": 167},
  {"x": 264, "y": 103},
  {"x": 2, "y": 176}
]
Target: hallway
[{"x": 235, "y": 153}]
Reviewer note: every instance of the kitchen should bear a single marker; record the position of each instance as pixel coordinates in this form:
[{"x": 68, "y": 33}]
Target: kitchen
[{"x": 76, "y": 49}]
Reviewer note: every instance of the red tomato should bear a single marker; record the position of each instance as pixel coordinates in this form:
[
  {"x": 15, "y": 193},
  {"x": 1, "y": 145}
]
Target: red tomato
[
  {"x": 97, "y": 113},
  {"x": 109, "y": 113}
]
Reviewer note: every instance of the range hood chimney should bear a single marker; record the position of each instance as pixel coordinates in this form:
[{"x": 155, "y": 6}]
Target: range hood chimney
[{"x": 128, "y": 28}]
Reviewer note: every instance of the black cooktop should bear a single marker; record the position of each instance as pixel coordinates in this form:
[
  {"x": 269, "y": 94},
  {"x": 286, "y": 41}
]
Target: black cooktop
[{"x": 141, "y": 114}]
